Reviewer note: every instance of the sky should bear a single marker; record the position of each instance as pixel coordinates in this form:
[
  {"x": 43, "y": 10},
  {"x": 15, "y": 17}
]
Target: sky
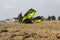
[{"x": 11, "y": 8}]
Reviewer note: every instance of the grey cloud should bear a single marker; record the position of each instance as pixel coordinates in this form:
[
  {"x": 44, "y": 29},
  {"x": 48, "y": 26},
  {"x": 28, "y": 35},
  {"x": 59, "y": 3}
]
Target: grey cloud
[{"x": 11, "y": 8}]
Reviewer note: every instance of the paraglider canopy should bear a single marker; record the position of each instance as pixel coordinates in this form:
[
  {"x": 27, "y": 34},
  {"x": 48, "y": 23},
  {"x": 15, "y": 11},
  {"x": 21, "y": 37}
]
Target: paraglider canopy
[
  {"x": 29, "y": 14},
  {"x": 29, "y": 11}
]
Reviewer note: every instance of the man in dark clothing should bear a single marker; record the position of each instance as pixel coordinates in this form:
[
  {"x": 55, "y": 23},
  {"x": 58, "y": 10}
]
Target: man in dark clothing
[{"x": 20, "y": 17}]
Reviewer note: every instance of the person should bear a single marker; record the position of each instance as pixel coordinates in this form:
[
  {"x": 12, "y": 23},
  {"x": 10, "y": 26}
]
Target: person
[{"x": 20, "y": 17}]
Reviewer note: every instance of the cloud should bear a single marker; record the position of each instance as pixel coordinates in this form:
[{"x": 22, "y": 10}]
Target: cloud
[
  {"x": 11, "y": 8},
  {"x": 58, "y": 2}
]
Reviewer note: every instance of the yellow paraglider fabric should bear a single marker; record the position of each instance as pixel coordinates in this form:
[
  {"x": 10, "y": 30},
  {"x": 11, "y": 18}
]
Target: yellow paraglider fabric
[
  {"x": 29, "y": 16},
  {"x": 37, "y": 21}
]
